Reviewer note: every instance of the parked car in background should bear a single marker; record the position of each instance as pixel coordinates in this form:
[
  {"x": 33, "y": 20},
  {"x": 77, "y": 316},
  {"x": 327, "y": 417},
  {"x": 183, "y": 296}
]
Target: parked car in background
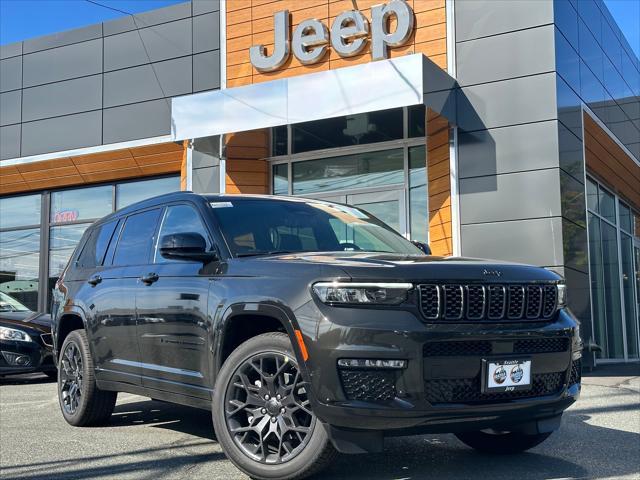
[
  {"x": 25, "y": 339},
  {"x": 308, "y": 327}
]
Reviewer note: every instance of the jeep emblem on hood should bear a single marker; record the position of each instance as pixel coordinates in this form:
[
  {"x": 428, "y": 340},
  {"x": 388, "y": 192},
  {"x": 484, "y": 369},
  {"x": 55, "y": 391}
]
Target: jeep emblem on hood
[{"x": 491, "y": 273}]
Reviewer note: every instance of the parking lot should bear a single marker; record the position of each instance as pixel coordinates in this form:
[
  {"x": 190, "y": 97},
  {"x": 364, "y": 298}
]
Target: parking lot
[{"x": 600, "y": 438}]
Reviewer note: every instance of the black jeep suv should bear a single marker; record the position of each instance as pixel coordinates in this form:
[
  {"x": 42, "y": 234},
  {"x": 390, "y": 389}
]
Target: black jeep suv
[{"x": 308, "y": 327}]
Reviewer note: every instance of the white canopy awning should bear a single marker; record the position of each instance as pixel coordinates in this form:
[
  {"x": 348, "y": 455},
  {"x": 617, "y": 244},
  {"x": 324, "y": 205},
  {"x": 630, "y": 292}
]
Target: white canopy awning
[{"x": 393, "y": 83}]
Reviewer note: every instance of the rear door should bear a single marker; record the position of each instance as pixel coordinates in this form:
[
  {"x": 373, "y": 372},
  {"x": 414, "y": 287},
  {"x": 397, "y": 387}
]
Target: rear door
[
  {"x": 171, "y": 302},
  {"x": 114, "y": 333}
]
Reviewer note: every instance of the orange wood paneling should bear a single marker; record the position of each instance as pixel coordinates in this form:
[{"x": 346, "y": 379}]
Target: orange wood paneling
[
  {"x": 247, "y": 171},
  {"x": 163, "y": 158},
  {"x": 606, "y": 160},
  {"x": 439, "y": 182},
  {"x": 250, "y": 22}
]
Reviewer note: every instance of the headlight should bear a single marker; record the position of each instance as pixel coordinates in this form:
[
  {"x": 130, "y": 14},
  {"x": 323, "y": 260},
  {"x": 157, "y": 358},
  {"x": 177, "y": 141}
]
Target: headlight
[
  {"x": 362, "y": 293},
  {"x": 15, "y": 335},
  {"x": 562, "y": 295}
]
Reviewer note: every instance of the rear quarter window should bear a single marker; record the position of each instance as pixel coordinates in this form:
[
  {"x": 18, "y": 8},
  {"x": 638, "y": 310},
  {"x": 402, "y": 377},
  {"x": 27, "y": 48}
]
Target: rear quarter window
[{"x": 94, "y": 250}]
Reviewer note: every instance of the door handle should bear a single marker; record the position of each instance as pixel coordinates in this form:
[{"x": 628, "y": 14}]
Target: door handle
[
  {"x": 149, "y": 278},
  {"x": 95, "y": 280}
]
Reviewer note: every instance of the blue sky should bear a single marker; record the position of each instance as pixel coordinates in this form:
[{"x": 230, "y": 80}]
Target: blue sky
[{"x": 22, "y": 19}]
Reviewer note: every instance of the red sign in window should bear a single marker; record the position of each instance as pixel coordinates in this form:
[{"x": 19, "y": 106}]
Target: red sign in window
[{"x": 65, "y": 216}]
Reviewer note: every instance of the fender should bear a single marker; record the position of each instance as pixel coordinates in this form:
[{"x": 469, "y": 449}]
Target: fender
[
  {"x": 71, "y": 309},
  {"x": 267, "y": 308}
]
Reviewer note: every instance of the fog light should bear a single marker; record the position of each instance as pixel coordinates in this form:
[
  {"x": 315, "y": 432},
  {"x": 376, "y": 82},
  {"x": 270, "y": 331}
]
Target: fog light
[
  {"x": 371, "y": 363},
  {"x": 16, "y": 359}
]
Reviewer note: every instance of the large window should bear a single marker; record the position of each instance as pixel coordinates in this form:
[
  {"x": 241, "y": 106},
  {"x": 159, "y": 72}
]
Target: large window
[
  {"x": 20, "y": 248},
  {"x": 614, "y": 274},
  {"x": 38, "y": 233}
]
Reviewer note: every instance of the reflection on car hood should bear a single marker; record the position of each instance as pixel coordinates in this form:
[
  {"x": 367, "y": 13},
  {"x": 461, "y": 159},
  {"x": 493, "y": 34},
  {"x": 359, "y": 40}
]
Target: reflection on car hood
[
  {"x": 391, "y": 266},
  {"x": 29, "y": 319}
]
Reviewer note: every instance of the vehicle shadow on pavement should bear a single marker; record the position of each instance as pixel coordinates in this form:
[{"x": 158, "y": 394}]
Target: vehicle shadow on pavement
[{"x": 191, "y": 421}]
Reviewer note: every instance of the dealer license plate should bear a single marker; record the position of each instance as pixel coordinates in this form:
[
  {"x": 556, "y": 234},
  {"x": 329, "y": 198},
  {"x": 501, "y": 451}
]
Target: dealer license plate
[{"x": 507, "y": 375}]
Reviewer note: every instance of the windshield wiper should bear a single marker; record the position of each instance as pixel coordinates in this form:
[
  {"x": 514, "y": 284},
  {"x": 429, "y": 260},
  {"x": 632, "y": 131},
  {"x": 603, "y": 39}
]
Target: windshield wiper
[{"x": 255, "y": 254}]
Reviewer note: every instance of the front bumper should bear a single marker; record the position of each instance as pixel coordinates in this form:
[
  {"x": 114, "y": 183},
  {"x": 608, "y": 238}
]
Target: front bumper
[
  {"x": 25, "y": 357},
  {"x": 439, "y": 390}
]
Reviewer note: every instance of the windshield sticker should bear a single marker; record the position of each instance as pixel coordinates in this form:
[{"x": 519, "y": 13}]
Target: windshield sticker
[{"x": 221, "y": 204}]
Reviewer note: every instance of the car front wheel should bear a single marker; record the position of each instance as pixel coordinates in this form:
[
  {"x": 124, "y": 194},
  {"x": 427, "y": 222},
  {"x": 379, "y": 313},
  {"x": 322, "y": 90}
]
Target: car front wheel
[
  {"x": 500, "y": 442},
  {"x": 262, "y": 414}
]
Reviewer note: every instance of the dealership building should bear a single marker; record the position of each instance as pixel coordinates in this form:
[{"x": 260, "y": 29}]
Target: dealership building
[{"x": 492, "y": 129}]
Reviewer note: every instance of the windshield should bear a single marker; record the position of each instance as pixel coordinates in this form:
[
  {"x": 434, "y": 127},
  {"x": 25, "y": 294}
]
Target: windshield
[
  {"x": 254, "y": 227},
  {"x": 10, "y": 304}
]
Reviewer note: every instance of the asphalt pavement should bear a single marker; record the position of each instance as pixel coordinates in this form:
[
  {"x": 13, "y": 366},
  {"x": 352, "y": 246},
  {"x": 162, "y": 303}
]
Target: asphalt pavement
[{"x": 599, "y": 439}]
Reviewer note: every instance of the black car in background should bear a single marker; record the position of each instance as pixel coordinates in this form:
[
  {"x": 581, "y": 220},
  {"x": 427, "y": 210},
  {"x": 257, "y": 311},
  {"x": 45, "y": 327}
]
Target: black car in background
[
  {"x": 25, "y": 340},
  {"x": 308, "y": 327}
]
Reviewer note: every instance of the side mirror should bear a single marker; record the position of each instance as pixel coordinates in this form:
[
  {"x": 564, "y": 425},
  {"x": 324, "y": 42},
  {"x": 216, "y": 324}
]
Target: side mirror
[
  {"x": 186, "y": 246},
  {"x": 422, "y": 246}
]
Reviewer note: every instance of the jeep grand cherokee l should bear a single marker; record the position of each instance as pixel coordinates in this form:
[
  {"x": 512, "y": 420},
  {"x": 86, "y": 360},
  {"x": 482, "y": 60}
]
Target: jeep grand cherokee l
[{"x": 308, "y": 328}]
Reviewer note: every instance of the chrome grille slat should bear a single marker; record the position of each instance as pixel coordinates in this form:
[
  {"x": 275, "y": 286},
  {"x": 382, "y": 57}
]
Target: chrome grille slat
[{"x": 453, "y": 302}]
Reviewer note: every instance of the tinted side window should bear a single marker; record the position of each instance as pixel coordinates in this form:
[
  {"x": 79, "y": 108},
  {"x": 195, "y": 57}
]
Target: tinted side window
[
  {"x": 137, "y": 238},
  {"x": 93, "y": 252},
  {"x": 180, "y": 219}
]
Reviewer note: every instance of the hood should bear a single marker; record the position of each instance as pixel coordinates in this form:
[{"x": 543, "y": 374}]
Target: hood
[
  {"x": 417, "y": 268},
  {"x": 36, "y": 321}
]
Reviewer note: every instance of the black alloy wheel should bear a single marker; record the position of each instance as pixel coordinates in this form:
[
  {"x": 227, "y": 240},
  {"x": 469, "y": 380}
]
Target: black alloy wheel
[
  {"x": 267, "y": 409},
  {"x": 71, "y": 375}
]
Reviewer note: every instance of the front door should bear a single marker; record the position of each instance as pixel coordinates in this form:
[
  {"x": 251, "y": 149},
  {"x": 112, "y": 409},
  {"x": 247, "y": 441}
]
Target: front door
[{"x": 171, "y": 305}]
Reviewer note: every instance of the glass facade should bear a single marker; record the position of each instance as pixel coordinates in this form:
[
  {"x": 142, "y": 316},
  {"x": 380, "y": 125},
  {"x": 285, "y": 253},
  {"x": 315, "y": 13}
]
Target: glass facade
[
  {"x": 39, "y": 232},
  {"x": 376, "y": 161},
  {"x": 615, "y": 274},
  {"x": 597, "y": 63}
]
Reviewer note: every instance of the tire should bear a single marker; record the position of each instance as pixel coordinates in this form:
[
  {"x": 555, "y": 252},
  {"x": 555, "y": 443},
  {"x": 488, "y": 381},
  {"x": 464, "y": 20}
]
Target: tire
[
  {"x": 501, "y": 442},
  {"x": 81, "y": 402},
  {"x": 301, "y": 453}
]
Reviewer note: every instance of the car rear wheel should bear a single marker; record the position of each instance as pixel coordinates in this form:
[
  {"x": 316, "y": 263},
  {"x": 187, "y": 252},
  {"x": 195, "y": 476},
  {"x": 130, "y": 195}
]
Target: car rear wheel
[
  {"x": 262, "y": 414},
  {"x": 500, "y": 442},
  {"x": 81, "y": 402}
]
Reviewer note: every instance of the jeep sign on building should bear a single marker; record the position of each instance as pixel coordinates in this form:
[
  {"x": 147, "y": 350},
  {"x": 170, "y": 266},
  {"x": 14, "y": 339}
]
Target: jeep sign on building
[{"x": 492, "y": 129}]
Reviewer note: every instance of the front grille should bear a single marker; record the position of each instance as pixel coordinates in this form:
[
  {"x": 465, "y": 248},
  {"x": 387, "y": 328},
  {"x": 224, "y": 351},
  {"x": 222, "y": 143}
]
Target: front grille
[
  {"x": 485, "y": 347},
  {"x": 467, "y": 390},
  {"x": 576, "y": 372},
  {"x": 368, "y": 385},
  {"x": 455, "y": 302}
]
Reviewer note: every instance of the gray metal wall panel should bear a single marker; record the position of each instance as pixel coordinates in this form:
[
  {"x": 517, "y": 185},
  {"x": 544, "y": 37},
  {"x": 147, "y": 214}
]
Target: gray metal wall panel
[
  {"x": 205, "y": 6},
  {"x": 10, "y": 111},
  {"x": 481, "y": 18},
  {"x": 508, "y": 149},
  {"x": 62, "y": 98},
  {"x": 206, "y": 180},
  {"x": 141, "y": 120},
  {"x": 507, "y": 102},
  {"x": 9, "y": 142},
  {"x": 62, "y": 133},
  {"x": 499, "y": 57},
  {"x": 10, "y": 50},
  {"x": 61, "y": 39},
  {"x": 206, "y": 71},
  {"x": 10, "y": 74},
  {"x": 63, "y": 63},
  {"x": 160, "y": 42},
  {"x": 146, "y": 19},
  {"x": 537, "y": 242},
  {"x": 205, "y": 32},
  {"x": 493, "y": 198},
  {"x": 140, "y": 84}
]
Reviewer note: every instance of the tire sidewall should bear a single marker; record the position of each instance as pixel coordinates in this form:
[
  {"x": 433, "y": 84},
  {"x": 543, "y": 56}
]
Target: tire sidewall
[
  {"x": 75, "y": 337},
  {"x": 319, "y": 438}
]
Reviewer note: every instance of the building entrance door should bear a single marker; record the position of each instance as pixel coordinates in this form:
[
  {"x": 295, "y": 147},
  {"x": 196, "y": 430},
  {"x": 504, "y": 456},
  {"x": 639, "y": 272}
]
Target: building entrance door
[{"x": 387, "y": 205}]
